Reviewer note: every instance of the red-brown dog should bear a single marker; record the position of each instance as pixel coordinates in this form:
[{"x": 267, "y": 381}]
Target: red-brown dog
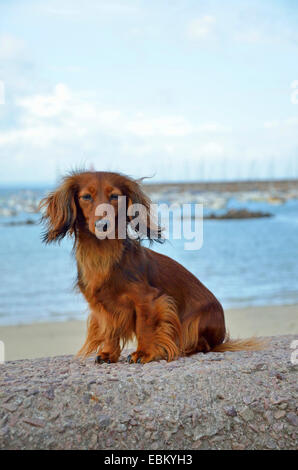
[{"x": 132, "y": 290}]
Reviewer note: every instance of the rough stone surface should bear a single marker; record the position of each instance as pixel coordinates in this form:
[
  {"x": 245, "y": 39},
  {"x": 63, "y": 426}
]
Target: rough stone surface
[{"x": 243, "y": 400}]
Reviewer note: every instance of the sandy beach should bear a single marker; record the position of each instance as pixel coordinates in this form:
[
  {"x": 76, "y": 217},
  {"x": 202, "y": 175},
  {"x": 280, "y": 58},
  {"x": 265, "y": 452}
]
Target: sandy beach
[{"x": 57, "y": 338}]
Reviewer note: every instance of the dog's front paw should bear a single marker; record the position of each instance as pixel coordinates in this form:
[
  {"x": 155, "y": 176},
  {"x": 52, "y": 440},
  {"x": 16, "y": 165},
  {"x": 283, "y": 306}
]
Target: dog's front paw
[
  {"x": 100, "y": 360},
  {"x": 105, "y": 357},
  {"x": 140, "y": 357}
]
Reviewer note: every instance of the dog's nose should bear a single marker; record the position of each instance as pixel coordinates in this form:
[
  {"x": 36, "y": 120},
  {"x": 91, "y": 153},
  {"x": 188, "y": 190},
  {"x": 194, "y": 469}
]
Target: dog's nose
[{"x": 102, "y": 225}]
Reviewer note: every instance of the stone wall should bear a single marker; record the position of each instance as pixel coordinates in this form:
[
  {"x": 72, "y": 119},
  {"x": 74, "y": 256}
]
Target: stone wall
[{"x": 243, "y": 400}]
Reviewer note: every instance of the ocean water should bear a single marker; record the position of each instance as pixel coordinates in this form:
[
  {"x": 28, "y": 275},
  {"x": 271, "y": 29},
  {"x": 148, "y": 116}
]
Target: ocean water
[{"x": 244, "y": 262}]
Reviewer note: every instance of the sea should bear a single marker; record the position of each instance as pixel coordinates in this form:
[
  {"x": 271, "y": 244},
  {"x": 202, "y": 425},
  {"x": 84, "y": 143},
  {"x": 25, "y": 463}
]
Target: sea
[{"x": 245, "y": 263}]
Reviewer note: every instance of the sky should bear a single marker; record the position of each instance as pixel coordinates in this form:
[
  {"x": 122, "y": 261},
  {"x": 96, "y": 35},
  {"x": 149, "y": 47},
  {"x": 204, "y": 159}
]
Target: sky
[{"x": 176, "y": 90}]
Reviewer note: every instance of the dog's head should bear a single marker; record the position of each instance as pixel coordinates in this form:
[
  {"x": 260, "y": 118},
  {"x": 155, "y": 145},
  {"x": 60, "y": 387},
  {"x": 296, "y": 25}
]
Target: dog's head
[{"x": 94, "y": 202}]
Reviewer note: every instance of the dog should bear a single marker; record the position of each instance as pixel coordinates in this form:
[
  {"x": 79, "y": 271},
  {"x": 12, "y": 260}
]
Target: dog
[{"x": 132, "y": 291}]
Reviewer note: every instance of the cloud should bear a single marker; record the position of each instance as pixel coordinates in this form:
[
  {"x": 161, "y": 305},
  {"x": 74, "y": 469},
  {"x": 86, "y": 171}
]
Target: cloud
[
  {"x": 202, "y": 28},
  {"x": 150, "y": 105},
  {"x": 271, "y": 124},
  {"x": 63, "y": 116},
  {"x": 248, "y": 22},
  {"x": 11, "y": 47},
  {"x": 285, "y": 123},
  {"x": 208, "y": 27},
  {"x": 51, "y": 105},
  {"x": 64, "y": 109},
  {"x": 63, "y": 127}
]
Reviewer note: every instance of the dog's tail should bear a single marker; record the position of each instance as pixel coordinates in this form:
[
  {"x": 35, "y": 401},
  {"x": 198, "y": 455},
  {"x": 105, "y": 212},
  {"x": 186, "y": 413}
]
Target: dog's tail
[{"x": 249, "y": 344}]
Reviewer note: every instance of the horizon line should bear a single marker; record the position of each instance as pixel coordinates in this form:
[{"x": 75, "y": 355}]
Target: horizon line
[{"x": 42, "y": 184}]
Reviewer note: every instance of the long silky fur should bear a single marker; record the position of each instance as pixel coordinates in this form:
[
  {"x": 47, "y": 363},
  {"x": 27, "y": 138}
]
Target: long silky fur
[
  {"x": 248, "y": 344},
  {"x": 132, "y": 290}
]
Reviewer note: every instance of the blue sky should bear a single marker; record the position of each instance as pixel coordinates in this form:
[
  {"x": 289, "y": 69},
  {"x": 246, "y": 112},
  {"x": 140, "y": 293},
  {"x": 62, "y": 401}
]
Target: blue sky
[{"x": 182, "y": 90}]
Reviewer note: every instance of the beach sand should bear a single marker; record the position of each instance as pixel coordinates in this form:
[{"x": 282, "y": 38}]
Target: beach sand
[{"x": 54, "y": 339}]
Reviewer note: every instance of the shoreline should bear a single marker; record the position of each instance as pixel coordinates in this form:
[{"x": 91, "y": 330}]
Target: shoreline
[
  {"x": 62, "y": 338},
  {"x": 223, "y": 186}
]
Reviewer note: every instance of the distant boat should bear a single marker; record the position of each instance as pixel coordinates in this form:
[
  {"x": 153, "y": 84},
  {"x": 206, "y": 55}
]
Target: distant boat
[{"x": 275, "y": 200}]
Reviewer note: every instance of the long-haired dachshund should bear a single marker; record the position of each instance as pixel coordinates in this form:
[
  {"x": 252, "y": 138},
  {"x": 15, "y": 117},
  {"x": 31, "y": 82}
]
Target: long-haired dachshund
[{"x": 131, "y": 290}]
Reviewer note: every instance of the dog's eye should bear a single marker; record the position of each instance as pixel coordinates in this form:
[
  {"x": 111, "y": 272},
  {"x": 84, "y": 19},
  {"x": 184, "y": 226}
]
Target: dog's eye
[
  {"x": 87, "y": 197},
  {"x": 114, "y": 197}
]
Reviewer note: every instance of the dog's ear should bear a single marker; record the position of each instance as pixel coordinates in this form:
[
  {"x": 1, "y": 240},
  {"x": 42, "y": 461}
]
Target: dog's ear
[
  {"x": 60, "y": 212},
  {"x": 148, "y": 226}
]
